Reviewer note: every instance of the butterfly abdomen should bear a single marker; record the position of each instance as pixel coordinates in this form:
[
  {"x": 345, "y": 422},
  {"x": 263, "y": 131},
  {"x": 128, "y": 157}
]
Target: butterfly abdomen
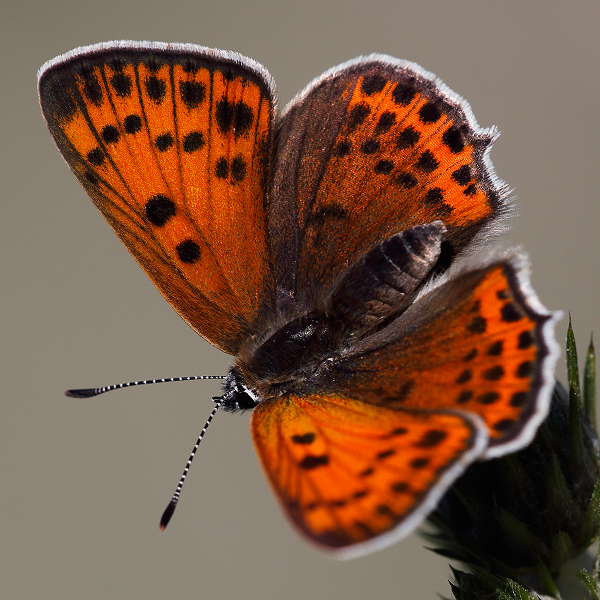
[{"x": 383, "y": 279}]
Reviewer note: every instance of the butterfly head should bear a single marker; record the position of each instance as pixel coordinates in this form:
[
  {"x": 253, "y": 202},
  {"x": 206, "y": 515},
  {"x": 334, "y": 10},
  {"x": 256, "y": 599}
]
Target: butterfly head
[{"x": 237, "y": 396}]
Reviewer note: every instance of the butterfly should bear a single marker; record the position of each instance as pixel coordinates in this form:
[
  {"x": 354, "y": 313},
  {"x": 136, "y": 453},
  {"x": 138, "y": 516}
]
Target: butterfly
[{"x": 337, "y": 250}]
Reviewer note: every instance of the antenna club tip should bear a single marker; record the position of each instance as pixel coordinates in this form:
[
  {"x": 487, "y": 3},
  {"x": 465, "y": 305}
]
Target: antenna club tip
[
  {"x": 84, "y": 393},
  {"x": 166, "y": 516}
]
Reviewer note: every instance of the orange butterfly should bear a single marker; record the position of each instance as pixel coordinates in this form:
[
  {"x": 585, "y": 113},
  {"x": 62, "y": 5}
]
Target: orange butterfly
[{"x": 331, "y": 249}]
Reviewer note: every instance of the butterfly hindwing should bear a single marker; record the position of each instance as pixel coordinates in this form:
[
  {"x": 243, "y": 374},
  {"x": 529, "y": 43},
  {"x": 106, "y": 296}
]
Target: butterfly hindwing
[
  {"x": 369, "y": 149},
  {"x": 172, "y": 143},
  {"x": 352, "y": 475},
  {"x": 477, "y": 341}
]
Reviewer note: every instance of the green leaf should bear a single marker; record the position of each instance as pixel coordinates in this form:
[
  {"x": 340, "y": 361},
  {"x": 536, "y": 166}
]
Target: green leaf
[
  {"x": 517, "y": 531},
  {"x": 514, "y": 591},
  {"x": 546, "y": 580},
  {"x": 589, "y": 385},
  {"x": 558, "y": 496},
  {"x": 592, "y": 515},
  {"x": 575, "y": 433},
  {"x": 572, "y": 363},
  {"x": 481, "y": 584},
  {"x": 590, "y": 583},
  {"x": 562, "y": 549}
]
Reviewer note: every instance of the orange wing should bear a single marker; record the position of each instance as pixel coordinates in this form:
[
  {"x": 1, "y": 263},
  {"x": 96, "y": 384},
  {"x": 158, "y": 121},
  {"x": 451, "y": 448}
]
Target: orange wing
[
  {"x": 172, "y": 143},
  {"x": 353, "y": 476},
  {"x": 480, "y": 342},
  {"x": 369, "y": 149}
]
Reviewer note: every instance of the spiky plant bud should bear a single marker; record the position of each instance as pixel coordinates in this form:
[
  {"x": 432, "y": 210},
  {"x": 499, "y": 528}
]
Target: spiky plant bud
[
  {"x": 523, "y": 516},
  {"x": 478, "y": 585}
]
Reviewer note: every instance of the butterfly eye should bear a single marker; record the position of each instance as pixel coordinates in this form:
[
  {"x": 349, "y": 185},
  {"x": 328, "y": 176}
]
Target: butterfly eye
[
  {"x": 246, "y": 401},
  {"x": 237, "y": 396}
]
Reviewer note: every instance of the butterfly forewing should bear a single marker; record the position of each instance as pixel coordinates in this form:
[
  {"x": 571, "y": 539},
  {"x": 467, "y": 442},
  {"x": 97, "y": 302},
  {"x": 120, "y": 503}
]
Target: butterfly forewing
[
  {"x": 348, "y": 472},
  {"x": 366, "y": 151},
  {"x": 173, "y": 147}
]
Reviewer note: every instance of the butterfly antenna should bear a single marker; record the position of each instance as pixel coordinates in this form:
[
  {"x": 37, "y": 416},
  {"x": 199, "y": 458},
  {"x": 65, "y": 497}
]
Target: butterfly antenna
[
  {"x": 166, "y": 516},
  {"x": 90, "y": 392}
]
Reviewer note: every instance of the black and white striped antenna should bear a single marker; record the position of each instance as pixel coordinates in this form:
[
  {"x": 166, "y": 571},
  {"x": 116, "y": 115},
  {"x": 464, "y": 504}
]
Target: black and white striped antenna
[
  {"x": 91, "y": 392},
  {"x": 166, "y": 516}
]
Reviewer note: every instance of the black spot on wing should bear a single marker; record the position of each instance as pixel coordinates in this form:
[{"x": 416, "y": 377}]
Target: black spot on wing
[
  {"x": 164, "y": 141},
  {"x": 429, "y": 113},
  {"x": 159, "y": 209},
  {"x": 403, "y": 93},
  {"x": 239, "y": 116},
  {"x": 192, "y": 93},
  {"x": 462, "y": 175},
  {"x": 453, "y": 139},
  {"x": 465, "y": 376},
  {"x": 504, "y": 425},
  {"x": 407, "y": 138},
  {"x": 509, "y": 313},
  {"x": 477, "y": 325},
  {"x": 91, "y": 86},
  {"x": 496, "y": 348},
  {"x": 494, "y": 373},
  {"x": 369, "y": 146},
  {"x": 407, "y": 180},
  {"x": 329, "y": 212},
  {"x": 188, "y": 251},
  {"x": 373, "y": 84},
  {"x": 518, "y": 399},
  {"x": 121, "y": 84},
  {"x": 238, "y": 169},
  {"x": 110, "y": 134},
  {"x": 386, "y": 120},
  {"x": 357, "y": 115},
  {"x": 342, "y": 149},
  {"x": 95, "y": 157},
  {"x": 306, "y": 438},
  {"x": 384, "y": 167},
  {"x": 427, "y": 162},
  {"x": 470, "y": 355},
  {"x": 193, "y": 141},
  {"x": 156, "y": 88},
  {"x": 464, "y": 396},
  {"x": 525, "y": 340},
  {"x": 310, "y": 462},
  {"x": 432, "y": 438},
  {"x": 488, "y": 398},
  {"x": 132, "y": 124},
  {"x": 385, "y": 454},
  {"x": 222, "y": 168},
  {"x": 524, "y": 369}
]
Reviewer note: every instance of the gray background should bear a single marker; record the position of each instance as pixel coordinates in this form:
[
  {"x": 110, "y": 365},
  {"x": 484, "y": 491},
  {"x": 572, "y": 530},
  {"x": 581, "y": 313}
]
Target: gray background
[{"x": 83, "y": 483}]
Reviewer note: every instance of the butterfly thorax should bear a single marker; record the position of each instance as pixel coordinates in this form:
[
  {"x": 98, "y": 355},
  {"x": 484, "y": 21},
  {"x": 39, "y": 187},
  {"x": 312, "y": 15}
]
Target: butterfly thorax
[
  {"x": 293, "y": 354},
  {"x": 368, "y": 296}
]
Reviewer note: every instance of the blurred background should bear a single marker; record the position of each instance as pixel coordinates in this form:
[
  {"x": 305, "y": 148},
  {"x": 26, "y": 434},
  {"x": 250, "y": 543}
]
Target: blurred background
[{"x": 84, "y": 481}]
